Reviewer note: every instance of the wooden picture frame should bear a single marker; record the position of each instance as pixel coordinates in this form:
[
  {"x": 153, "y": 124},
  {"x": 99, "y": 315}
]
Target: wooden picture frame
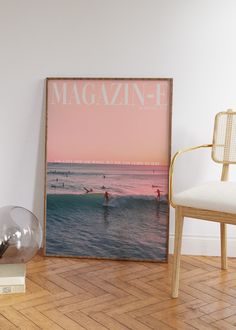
[{"x": 107, "y": 158}]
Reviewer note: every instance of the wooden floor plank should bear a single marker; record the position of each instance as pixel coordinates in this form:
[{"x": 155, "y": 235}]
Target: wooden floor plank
[
  {"x": 223, "y": 325},
  {"x": 108, "y": 305},
  {"x": 86, "y": 321},
  {"x": 130, "y": 322},
  {"x": 62, "y": 320},
  {"x": 39, "y": 319},
  {"x": 58, "y": 297},
  {"x": 132, "y": 306},
  {"x": 71, "y": 300},
  {"x": 213, "y": 307},
  {"x": 86, "y": 285},
  {"x": 153, "y": 323},
  {"x": 69, "y": 293},
  {"x": 17, "y": 318},
  {"x": 198, "y": 294},
  {"x": 86, "y": 303},
  {"x": 154, "y": 308},
  {"x": 6, "y": 323},
  {"x": 223, "y": 313},
  {"x": 108, "y": 322},
  {"x": 200, "y": 324}
]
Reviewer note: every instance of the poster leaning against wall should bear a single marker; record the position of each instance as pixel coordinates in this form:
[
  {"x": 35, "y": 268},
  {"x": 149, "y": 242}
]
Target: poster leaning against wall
[{"x": 107, "y": 159}]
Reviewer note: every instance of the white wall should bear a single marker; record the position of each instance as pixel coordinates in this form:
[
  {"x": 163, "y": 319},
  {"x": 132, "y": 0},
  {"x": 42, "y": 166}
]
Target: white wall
[{"x": 192, "y": 41}]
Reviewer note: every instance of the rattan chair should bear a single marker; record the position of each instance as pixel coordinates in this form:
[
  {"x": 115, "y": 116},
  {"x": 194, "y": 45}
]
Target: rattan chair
[{"x": 212, "y": 201}]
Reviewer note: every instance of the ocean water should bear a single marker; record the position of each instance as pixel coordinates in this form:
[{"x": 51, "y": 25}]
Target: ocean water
[{"x": 132, "y": 224}]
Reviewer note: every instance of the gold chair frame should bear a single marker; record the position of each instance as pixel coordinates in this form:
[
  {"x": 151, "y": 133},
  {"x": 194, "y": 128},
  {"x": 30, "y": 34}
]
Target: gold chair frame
[{"x": 202, "y": 214}]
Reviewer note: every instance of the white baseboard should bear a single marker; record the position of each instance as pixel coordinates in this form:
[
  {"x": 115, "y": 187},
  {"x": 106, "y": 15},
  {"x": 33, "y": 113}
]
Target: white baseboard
[{"x": 203, "y": 246}]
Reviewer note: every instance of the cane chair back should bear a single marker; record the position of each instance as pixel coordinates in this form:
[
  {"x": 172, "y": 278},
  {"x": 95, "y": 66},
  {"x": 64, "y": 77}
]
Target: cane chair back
[{"x": 224, "y": 138}]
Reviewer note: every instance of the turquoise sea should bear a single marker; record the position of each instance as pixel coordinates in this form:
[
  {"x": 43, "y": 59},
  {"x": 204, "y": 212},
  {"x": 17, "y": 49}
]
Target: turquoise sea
[{"x": 132, "y": 224}]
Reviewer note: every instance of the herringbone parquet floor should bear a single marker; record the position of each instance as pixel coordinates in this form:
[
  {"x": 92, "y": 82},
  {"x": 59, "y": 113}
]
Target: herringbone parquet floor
[{"x": 94, "y": 294}]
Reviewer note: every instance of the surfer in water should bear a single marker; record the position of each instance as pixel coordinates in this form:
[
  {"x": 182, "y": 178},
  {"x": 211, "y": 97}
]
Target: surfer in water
[
  {"x": 106, "y": 197},
  {"x": 158, "y": 194},
  {"x": 87, "y": 190},
  {"x": 103, "y": 186}
]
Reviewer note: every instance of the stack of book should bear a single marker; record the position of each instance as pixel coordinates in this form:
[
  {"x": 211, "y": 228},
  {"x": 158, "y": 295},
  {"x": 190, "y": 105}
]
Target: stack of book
[{"x": 12, "y": 278}]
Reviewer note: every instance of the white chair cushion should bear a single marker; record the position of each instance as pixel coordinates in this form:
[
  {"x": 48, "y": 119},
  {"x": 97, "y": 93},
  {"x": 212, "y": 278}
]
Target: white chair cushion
[{"x": 214, "y": 196}]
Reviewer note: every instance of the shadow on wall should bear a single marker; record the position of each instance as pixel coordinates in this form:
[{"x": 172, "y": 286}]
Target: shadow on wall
[
  {"x": 196, "y": 166},
  {"x": 38, "y": 201}
]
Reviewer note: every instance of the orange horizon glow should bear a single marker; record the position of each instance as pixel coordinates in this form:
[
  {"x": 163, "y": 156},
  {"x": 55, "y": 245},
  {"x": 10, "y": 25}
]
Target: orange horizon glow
[
  {"x": 108, "y": 121},
  {"x": 107, "y": 162}
]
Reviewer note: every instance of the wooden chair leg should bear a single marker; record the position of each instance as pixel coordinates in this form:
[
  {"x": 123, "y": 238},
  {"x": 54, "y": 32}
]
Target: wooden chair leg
[
  {"x": 223, "y": 241},
  {"x": 179, "y": 219}
]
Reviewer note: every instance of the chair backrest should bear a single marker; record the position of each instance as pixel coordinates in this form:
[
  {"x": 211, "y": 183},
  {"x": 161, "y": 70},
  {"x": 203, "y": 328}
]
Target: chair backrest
[{"x": 224, "y": 138}]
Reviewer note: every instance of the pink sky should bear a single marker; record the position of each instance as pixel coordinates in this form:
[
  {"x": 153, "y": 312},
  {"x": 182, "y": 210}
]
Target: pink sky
[{"x": 108, "y": 120}]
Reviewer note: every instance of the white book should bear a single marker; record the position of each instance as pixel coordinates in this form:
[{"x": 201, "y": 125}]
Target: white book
[
  {"x": 7, "y": 289},
  {"x": 12, "y": 275}
]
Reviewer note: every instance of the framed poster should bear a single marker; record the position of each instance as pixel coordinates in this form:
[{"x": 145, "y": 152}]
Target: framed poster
[{"x": 107, "y": 159}]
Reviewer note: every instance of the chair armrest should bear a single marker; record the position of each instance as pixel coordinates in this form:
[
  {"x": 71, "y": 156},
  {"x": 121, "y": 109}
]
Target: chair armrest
[{"x": 171, "y": 171}]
